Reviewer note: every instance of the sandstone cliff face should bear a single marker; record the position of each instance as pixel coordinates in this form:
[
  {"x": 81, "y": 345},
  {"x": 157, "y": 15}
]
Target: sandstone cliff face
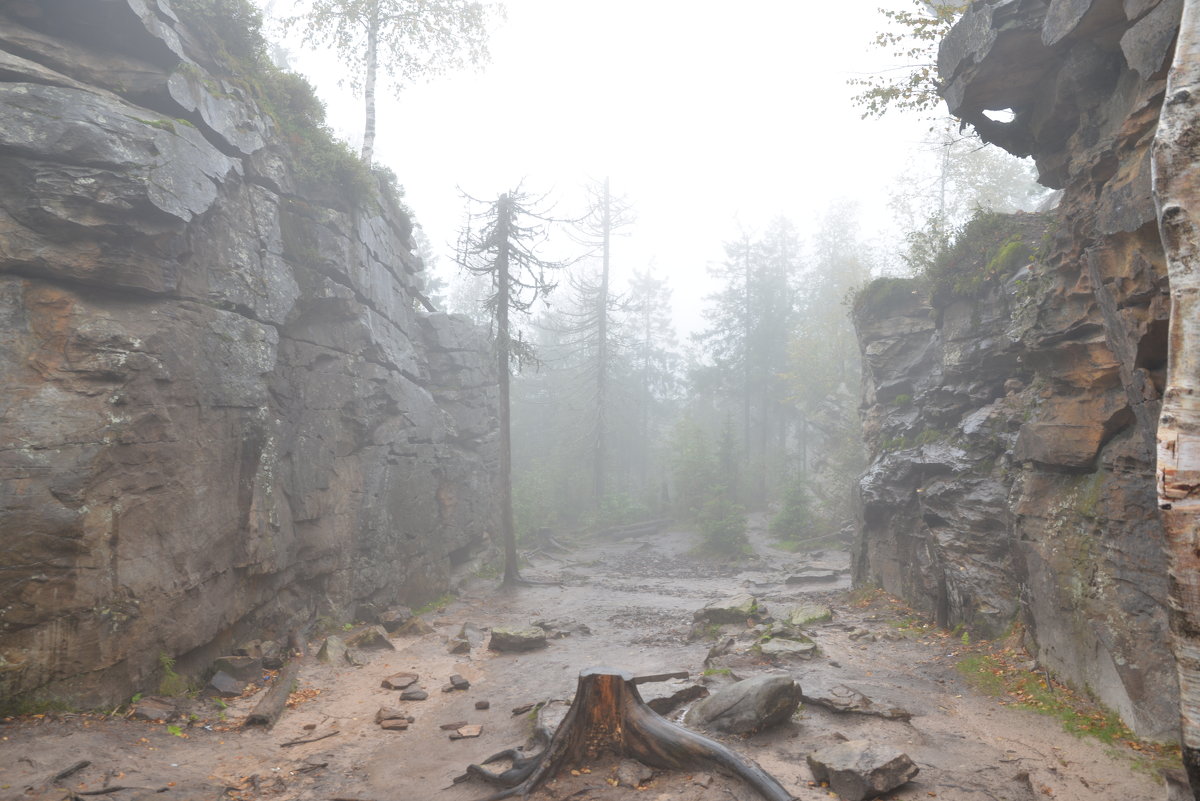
[
  {"x": 220, "y": 414},
  {"x": 1013, "y": 431}
]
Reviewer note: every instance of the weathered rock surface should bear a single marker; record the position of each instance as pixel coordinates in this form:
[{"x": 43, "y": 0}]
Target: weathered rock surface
[
  {"x": 747, "y": 706},
  {"x": 735, "y": 609},
  {"x": 219, "y": 407},
  {"x": 517, "y": 640},
  {"x": 1012, "y": 427},
  {"x": 858, "y": 769}
]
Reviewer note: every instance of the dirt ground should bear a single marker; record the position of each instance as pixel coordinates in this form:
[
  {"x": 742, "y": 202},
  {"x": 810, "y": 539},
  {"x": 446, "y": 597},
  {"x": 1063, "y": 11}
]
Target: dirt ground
[{"x": 637, "y": 597}]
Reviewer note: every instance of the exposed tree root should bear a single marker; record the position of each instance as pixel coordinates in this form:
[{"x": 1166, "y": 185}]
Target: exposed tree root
[{"x": 609, "y": 716}]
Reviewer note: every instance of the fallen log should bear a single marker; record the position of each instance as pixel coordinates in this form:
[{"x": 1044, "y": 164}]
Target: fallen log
[
  {"x": 608, "y": 716},
  {"x": 274, "y": 701}
]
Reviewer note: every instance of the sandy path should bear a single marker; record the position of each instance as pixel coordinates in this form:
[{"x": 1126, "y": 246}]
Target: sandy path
[{"x": 637, "y": 598}]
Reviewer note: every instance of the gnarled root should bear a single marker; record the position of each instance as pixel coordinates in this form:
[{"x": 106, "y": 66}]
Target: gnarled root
[{"x": 609, "y": 716}]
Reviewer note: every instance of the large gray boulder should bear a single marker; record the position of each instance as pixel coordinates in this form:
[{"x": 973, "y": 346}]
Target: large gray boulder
[
  {"x": 517, "y": 640},
  {"x": 858, "y": 769},
  {"x": 748, "y": 706}
]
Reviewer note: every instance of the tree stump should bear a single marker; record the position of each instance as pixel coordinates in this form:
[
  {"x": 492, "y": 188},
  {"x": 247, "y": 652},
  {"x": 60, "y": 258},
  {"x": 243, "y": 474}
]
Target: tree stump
[{"x": 608, "y": 716}]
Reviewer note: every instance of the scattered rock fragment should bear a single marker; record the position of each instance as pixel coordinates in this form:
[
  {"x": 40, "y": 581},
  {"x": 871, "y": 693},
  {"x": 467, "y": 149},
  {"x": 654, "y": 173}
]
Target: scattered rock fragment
[
  {"x": 666, "y": 698},
  {"x": 222, "y": 685},
  {"x": 859, "y": 769},
  {"x": 782, "y": 649},
  {"x": 841, "y": 698},
  {"x": 517, "y": 640},
  {"x": 400, "y": 681},
  {"x": 862, "y": 635},
  {"x": 394, "y": 724},
  {"x": 458, "y": 682},
  {"x": 413, "y": 695},
  {"x": 372, "y": 638},
  {"x": 466, "y": 731},
  {"x": 558, "y": 628},
  {"x": 483, "y": 704},
  {"x": 455, "y": 726},
  {"x": 390, "y": 713},
  {"x": 522, "y": 709},
  {"x": 394, "y": 618},
  {"x": 242, "y": 668},
  {"x": 631, "y": 773},
  {"x": 748, "y": 706},
  {"x": 813, "y": 575},
  {"x": 153, "y": 707},
  {"x": 458, "y": 645}
]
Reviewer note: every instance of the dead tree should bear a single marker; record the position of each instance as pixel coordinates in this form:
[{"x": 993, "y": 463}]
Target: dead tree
[
  {"x": 1177, "y": 195},
  {"x": 608, "y": 716}
]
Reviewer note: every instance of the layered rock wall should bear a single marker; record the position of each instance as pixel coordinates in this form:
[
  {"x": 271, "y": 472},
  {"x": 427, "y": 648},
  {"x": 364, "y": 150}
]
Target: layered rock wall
[
  {"x": 1013, "y": 427},
  {"x": 221, "y": 414}
]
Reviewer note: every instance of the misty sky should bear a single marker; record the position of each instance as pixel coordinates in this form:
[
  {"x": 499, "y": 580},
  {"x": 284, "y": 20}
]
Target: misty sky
[{"x": 707, "y": 115}]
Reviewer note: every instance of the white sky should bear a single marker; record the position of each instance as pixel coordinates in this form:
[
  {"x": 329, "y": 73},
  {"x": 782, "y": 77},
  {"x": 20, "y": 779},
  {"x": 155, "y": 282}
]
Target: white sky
[{"x": 706, "y": 115}]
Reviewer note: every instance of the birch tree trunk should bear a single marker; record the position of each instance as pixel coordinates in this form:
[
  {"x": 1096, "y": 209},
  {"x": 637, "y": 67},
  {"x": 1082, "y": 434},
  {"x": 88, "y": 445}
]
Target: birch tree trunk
[
  {"x": 372, "y": 59},
  {"x": 504, "y": 216},
  {"x": 1177, "y": 195}
]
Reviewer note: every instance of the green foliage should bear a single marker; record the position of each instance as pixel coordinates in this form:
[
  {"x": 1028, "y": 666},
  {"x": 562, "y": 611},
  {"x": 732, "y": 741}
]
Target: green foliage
[
  {"x": 987, "y": 250},
  {"x": 232, "y": 28},
  {"x": 172, "y": 683},
  {"x": 795, "y": 518},
  {"x": 175, "y": 730},
  {"x": 694, "y": 469},
  {"x": 902, "y": 400},
  {"x": 995, "y": 675},
  {"x": 437, "y": 603},
  {"x": 723, "y": 526},
  {"x": 873, "y": 299},
  {"x": 912, "y": 39}
]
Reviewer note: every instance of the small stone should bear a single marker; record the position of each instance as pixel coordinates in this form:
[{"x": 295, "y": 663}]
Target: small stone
[
  {"x": 394, "y": 618},
  {"x": 784, "y": 649},
  {"x": 517, "y": 640},
  {"x": 400, "y": 681},
  {"x": 455, "y": 726},
  {"x": 482, "y": 704},
  {"x": 394, "y": 724},
  {"x": 372, "y": 638},
  {"x": 735, "y": 609},
  {"x": 813, "y": 575},
  {"x": 458, "y": 682},
  {"x": 413, "y": 695},
  {"x": 631, "y": 773},
  {"x": 223, "y": 685},
  {"x": 702, "y": 779},
  {"x": 459, "y": 645},
  {"x": 522, "y": 709},
  {"x": 153, "y": 707},
  {"x": 389, "y": 713},
  {"x": 467, "y": 731}
]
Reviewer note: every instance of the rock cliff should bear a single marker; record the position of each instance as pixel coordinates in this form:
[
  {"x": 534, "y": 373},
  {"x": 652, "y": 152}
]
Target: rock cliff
[
  {"x": 222, "y": 413},
  {"x": 1012, "y": 410}
]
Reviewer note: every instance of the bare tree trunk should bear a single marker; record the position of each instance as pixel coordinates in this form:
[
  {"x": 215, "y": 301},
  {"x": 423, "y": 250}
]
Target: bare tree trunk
[
  {"x": 508, "y": 528},
  {"x": 1177, "y": 195},
  {"x": 372, "y": 59},
  {"x": 602, "y": 356}
]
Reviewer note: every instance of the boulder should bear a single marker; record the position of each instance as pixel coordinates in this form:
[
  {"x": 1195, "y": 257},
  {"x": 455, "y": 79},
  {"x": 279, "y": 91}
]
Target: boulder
[
  {"x": 748, "y": 706},
  {"x": 372, "y": 638},
  {"x": 858, "y": 769},
  {"x": 631, "y": 773},
  {"x": 734, "y": 609},
  {"x": 222, "y": 685},
  {"x": 154, "y": 707},
  {"x": 333, "y": 651},
  {"x": 840, "y": 698},
  {"x": 243, "y": 668},
  {"x": 394, "y": 618},
  {"x": 507, "y": 640},
  {"x": 813, "y": 575},
  {"x": 808, "y": 615},
  {"x": 400, "y": 681}
]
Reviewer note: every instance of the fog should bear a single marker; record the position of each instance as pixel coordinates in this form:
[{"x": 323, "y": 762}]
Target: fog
[{"x": 710, "y": 118}]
